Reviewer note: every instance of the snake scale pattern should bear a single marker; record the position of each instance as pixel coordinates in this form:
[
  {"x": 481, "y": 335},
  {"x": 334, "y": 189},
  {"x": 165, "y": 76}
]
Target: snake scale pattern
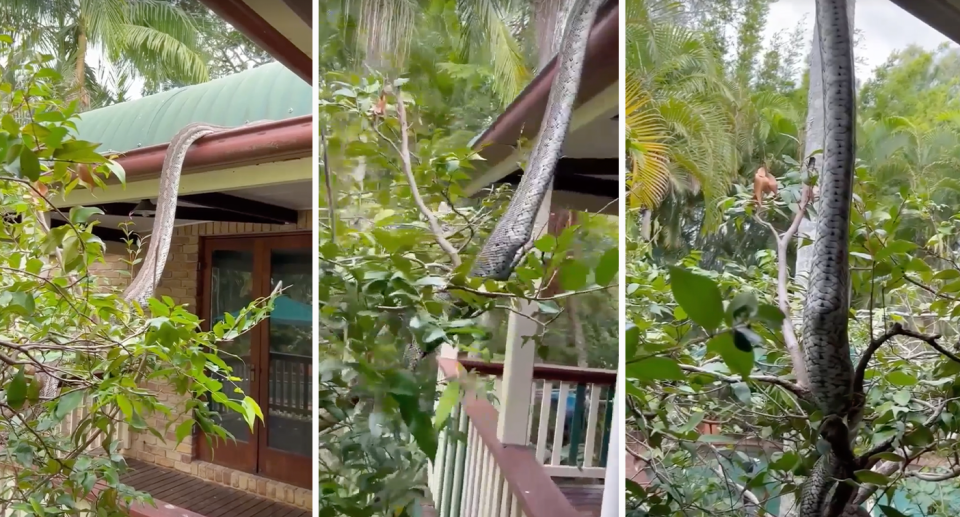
[
  {"x": 825, "y": 340},
  {"x": 515, "y": 227}
]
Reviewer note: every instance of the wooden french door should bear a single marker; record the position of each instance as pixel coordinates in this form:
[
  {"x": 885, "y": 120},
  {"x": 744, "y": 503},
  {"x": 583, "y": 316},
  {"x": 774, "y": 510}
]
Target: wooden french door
[{"x": 273, "y": 360}]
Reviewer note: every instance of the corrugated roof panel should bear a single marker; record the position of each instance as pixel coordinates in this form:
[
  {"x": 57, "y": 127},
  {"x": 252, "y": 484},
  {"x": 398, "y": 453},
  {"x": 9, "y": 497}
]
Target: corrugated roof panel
[{"x": 268, "y": 92}]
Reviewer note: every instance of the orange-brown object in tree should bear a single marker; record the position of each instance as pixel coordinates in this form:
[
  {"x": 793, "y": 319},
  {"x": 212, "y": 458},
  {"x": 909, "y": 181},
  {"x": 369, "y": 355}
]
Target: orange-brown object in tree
[
  {"x": 763, "y": 183},
  {"x": 381, "y": 106},
  {"x": 85, "y": 175},
  {"x": 41, "y": 187}
]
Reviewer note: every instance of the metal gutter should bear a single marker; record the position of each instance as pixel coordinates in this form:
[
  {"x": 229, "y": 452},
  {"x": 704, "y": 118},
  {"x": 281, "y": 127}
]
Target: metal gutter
[{"x": 287, "y": 139}]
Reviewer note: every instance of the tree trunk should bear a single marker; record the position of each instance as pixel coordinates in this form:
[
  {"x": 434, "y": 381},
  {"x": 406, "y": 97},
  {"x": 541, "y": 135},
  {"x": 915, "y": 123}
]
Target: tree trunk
[
  {"x": 549, "y": 19},
  {"x": 814, "y": 141},
  {"x": 576, "y": 331},
  {"x": 80, "y": 68}
]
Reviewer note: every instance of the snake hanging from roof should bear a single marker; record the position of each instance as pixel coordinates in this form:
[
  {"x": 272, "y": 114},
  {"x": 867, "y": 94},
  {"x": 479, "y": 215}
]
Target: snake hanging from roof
[{"x": 144, "y": 284}]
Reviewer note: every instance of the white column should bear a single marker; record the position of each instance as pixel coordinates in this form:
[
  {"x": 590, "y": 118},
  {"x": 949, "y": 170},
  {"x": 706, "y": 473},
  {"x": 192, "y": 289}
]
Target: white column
[
  {"x": 612, "y": 485},
  {"x": 517, "y": 384}
]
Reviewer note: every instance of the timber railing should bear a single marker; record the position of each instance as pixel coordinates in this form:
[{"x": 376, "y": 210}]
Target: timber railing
[
  {"x": 291, "y": 383},
  {"x": 571, "y": 413},
  {"x": 475, "y": 475},
  {"x": 90, "y": 434}
]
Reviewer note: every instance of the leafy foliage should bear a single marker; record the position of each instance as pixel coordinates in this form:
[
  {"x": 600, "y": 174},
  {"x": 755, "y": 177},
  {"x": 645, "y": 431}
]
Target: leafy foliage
[
  {"x": 60, "y": 322},
  {"x": 385, "y": 284}
]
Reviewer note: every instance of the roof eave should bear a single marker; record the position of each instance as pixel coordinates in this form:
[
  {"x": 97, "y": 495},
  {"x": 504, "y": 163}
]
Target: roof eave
[
  {"x": 942, "y": 15},
  {"x": 242, "y": 17},
  {"x": 287, "y": 139},
  {"x": 601, "y": 69}
]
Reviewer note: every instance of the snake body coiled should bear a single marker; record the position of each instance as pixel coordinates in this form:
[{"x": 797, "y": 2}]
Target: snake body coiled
[{"x": 825, "y": 340}]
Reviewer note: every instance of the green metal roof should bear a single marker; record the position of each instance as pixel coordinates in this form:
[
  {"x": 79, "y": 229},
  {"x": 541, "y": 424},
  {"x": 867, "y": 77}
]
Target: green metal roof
[{"x": 268, "y": 92}]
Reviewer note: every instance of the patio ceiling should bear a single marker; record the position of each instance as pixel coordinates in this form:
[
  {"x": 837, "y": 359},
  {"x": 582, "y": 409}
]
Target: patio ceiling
[
  {"x": 587, "y": 175},
  {"x": 273, "y": 204},
  {"x": 284, "y": 28},
  {"x": 942, "y": 15}
]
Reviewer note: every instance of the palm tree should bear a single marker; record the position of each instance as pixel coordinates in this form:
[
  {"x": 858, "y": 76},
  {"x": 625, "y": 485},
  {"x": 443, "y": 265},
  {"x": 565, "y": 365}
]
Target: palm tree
[
  {"x": 677, "y": 90},
  {"x": 150, "y": 38},
  {"x": 482, "y": 33}
]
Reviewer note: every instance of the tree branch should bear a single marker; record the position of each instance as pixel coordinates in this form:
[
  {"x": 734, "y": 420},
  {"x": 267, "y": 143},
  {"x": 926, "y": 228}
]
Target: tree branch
[
  {"x": 801, "y": 392},
  {"x": 896, "y": 330},
  {"x": 331, "y": 209},
  {"x": 783, "y": 296},
  {"x": 408, "y": 172}
]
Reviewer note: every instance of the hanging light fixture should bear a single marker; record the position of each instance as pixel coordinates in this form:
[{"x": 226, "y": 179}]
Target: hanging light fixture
[{"x": 145, "y": 208}]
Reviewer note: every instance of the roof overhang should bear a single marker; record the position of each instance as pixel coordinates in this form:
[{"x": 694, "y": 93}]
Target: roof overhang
[
  {"x": 284, "y": 28},
  {"x": 942, "y": 15},
  {"x": 587, "y": 176}
]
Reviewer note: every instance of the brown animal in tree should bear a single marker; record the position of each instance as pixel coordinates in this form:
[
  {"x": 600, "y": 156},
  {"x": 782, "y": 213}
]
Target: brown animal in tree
[{"x": 763, "y": 183}]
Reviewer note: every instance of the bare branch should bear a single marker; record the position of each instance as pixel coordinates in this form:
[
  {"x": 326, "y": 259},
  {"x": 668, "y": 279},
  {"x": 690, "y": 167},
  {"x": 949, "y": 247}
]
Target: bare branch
[
  {"x": 408, "y": 172},
  {"x": 783, "y": 296},
  {"x": 331, "y": 208}
]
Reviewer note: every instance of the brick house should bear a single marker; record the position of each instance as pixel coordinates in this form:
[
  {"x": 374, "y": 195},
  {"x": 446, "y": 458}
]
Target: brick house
[{"x": 243, "y": 224}]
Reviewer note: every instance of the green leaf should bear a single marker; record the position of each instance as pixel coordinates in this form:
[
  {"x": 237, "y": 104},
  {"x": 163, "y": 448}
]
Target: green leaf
[
  {"x": 741, "y": 390},
  {"x": 899, "y": 378},
  {"x": 920, "y": 437},
  {"x": 699, "y": 296},
  {"x": 869, "y": 476},
  {"x": 19, "y": 303},
  {"x": 655, "y": 369},
  {"x": 902, "y": 397},
  {"x": 125, "y": 406},
  {"x": 78, "y": 151},
  {"x": 607, "y": 269},
  {"x": 448, "y": 400},
  {"x": 737, "y": 360},
  {"x": 893, "y": 248},
  {"x": 573, "y": 275},
  {"x": 29, "y": 164},
  {"x": 117, "y": 170},
  {"x": 17, "y": 390},
  {"x": 743, "y": 306},
  {"x": 251, "y": 411},
  {"x": 770, "y": 314},
  {"x": 184, "y": 429},
  {"x": 631, "y": 340},
  {"x": 82, "y": 214},
  {"x": 67, "y": 403},
  {"x": 890, "y": 511}
]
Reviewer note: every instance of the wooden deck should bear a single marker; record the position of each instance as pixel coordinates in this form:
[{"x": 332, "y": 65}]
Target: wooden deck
[
  {"x": 587, "y": 499},
  {"x": 172, "y": 487}
]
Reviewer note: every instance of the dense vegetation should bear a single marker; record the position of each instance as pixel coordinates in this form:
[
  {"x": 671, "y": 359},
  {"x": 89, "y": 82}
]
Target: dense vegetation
[
  {"x": 71, "y": 341},
  {"x": 449, "y": 68},
  {"x": 717, "y": 419}
]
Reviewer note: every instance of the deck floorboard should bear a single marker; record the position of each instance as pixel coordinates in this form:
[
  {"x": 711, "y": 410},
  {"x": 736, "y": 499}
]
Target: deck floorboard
[{"x": 205, "y": 498}]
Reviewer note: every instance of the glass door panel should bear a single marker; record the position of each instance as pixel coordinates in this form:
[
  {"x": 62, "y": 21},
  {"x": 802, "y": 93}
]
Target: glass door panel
[
  {"x": 289, "y": 390},
  {"x": 231, "y": 286}
]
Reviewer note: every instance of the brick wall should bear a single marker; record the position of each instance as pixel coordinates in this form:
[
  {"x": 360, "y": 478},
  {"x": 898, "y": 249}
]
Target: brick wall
[{"x": 180, "y": 281}]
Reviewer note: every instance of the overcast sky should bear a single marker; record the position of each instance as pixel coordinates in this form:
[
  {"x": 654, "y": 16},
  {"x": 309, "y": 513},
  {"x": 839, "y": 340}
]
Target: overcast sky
[{"x": 885, "y": 26}]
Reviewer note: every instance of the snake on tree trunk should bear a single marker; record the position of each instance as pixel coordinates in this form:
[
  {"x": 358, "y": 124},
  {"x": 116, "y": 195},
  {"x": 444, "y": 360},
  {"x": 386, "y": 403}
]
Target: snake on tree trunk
[{"x": 825, "y": 340}]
